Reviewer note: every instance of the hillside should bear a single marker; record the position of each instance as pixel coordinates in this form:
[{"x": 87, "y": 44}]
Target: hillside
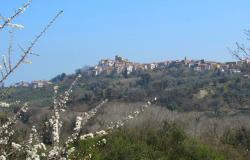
[
  {"x": 208, "y": 110},
  {"x": 177, "y": 88}
]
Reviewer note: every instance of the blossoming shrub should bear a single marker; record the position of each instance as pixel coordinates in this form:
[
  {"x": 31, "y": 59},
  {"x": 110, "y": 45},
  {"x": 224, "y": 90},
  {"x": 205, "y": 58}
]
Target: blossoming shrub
[{"x": 168, "y": 143}]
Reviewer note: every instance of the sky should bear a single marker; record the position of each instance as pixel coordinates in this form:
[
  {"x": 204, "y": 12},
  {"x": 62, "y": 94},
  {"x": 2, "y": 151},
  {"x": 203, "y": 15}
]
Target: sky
[{"x": 140, "y": 30}]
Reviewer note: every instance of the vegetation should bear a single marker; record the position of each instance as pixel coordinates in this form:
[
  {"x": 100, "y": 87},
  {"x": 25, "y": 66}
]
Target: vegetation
[
  {"x": 176, "y": 89},
  {"x": 164, "y": 114},
  {"x": 167, "y": 143}
]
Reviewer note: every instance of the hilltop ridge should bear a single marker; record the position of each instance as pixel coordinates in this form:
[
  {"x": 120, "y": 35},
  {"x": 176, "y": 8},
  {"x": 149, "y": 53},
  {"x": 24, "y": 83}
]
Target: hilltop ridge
[{"x": 121, "y": 65}]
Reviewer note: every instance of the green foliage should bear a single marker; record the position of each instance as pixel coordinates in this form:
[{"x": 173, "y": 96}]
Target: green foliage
[
  {"x": 176, "y": 89},
  {"x": 34, "y": 96},
  {"x": 168, "y": 143}
]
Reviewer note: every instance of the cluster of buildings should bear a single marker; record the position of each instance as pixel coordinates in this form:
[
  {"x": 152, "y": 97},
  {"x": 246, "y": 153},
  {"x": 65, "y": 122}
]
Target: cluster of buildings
[
  {"x": 118, "y": 65},
  {"x": 121, "y": 65},
  {"x": 33, "y": 84},
  {"x": 202, "y": 65}
]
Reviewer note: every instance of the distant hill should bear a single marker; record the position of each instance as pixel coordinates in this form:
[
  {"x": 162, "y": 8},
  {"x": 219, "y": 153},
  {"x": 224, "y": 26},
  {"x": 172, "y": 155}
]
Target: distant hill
[
  {"x": 177, "y": 88},
  {"x": 210, "y": 105}
]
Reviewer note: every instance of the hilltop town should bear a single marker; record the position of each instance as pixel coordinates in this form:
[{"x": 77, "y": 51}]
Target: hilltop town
[{"x": 121, "y": 65}]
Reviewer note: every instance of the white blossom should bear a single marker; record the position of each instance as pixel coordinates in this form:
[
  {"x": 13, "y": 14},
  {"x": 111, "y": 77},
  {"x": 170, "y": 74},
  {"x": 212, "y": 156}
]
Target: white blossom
[
  {"x": 102, "y": 132},
  {"x": 27, "y": 61},
  {"x": 2, "y": 157},
  {"x": 43, "y": 155},
  {"x": 149, "y": 103},
  {"x": 155, "y": 98},
  {"x": 40, "y": 146},
  {"x": 78, "y": 123},
  {"x": 4, "y": 105},
  {"x": 16, "y": 26},
  {"x": 55, "y": 87},
  {"x": 136, "y": 112},
  {"x": 104, "y": 141},
  {"x": 130, "y": 117},
  {"x": 71, "y": 150},
  {"x": 86, "y": 136},
  {"x": 16, "y": 146}
]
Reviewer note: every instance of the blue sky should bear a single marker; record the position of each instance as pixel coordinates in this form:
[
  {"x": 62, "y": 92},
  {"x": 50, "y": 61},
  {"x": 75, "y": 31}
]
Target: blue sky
[{"x": 141, "y": 30}]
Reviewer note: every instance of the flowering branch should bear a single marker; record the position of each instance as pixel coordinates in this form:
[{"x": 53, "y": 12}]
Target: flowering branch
[
  {"x": 10, "y": 49},
  {"x": 7, "y": 22},
  {"x": 110, "y": 129},
  {"x": 54, "y": 122},
  {"x": 117, "y": 124},
  {"x": 9, "y": 70},
  {"x": 13, "y": 120},
  {"x": 6, "y": 131},
  {"x": 82, "y": 120},
  {"x": 33, "y": 145}
]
